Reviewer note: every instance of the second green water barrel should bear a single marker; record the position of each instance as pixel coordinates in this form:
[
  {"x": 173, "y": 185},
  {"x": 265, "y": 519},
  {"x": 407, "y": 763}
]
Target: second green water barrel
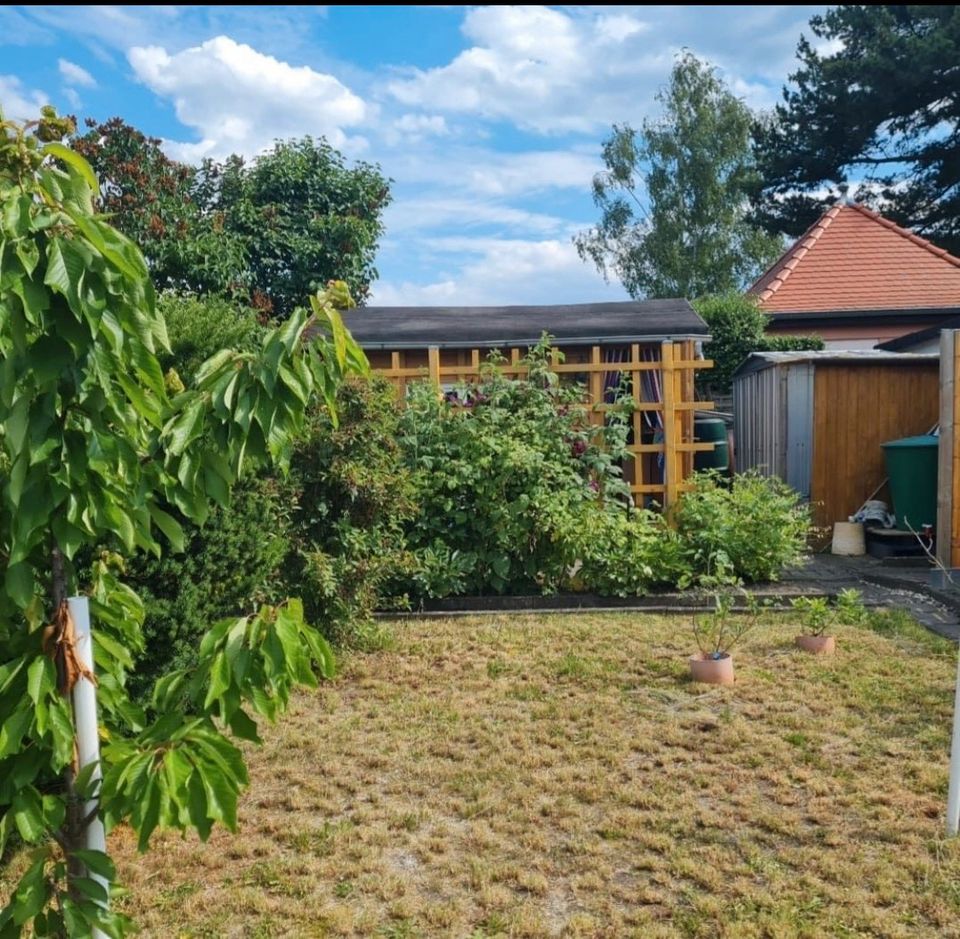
[
  {"x": 912, "y": 468},
  {"x": 711, "y": 430}
]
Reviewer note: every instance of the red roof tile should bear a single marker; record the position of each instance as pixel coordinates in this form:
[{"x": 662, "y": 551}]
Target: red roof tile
[{"x": 855, "y": 259}]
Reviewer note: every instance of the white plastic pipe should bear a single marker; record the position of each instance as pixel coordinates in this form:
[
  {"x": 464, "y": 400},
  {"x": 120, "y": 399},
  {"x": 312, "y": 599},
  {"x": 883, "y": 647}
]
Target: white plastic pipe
[
  {"x": 87, "y": 728},
  {"x": 953, "y": 793}
]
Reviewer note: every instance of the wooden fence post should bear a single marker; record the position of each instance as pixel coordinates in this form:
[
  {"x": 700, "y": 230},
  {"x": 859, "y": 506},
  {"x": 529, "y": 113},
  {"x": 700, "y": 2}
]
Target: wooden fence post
[
  {"x": 433, "y": 361},
  {"x": 636, "y": 388},
  {"x": 596, "y": 387},
  {"x": 670, "y": 454},
  {"x": 948, "y": 476}
]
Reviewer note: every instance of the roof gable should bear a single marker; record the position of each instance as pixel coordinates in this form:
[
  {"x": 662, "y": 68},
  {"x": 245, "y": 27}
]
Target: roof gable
[{"x": 854, "y": 259}]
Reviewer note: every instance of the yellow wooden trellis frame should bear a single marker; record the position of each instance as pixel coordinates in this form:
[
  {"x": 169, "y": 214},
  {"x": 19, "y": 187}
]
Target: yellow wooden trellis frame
[{"x": 677, "y": 365}]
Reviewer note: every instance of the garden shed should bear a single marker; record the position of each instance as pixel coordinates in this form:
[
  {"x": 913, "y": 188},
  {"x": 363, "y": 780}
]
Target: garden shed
[
  {"x": 818, "y": 419},
  {"x": 649, "y": 347}
]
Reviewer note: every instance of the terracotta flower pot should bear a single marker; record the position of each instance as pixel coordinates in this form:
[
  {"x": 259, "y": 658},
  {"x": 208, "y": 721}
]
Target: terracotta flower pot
[
  {"x": 817, "y": 645},
  {"x": 711, "y": 671}
]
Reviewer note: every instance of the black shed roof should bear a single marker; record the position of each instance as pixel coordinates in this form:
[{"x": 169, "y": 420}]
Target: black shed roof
[{"x": 490, "y": 327}]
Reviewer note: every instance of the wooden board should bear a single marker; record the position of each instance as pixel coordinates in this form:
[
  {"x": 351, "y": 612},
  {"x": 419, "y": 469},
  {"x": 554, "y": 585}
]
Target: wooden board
[{"x": 856, "y": 409}]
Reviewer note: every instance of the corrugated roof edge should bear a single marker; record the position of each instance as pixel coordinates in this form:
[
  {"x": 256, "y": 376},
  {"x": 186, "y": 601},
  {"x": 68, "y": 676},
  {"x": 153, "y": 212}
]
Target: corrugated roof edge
[
  {"x": 758, "y": 361},
  {"x": 449, "y": 327},
  {"x": 533, "y": 340}
]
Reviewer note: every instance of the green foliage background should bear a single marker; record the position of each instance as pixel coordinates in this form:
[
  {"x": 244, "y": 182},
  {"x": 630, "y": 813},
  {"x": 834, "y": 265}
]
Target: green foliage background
[{"x": 267, "y": 233}]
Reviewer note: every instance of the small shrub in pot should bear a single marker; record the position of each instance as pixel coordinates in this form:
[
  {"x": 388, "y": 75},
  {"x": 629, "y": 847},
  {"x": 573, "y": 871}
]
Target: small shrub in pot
[
  {"x": 818, "y": 616},
  {"x": 718, "y": 631}
]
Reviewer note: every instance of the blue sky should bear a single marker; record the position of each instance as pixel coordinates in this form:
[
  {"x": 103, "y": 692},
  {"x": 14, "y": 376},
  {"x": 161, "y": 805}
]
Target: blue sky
[{"x": 489, "y": 120}]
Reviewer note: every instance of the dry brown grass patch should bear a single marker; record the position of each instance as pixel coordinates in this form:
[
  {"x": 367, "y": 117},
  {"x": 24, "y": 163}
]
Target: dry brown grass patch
[{"x": 559, "y": 776}]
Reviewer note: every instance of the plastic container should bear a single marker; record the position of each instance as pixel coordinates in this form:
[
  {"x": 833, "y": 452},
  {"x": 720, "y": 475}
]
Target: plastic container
[
  {"x": 848, "y": 540},
  {"x": 912, "y": 468},
  {"x": 711, "y": 430}
]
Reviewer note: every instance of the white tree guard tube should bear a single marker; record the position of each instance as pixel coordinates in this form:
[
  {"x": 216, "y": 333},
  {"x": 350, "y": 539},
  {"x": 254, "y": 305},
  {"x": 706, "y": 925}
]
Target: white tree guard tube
[
  {"x": 953, "y": 793},
  {"x": 88, "y": 733}
]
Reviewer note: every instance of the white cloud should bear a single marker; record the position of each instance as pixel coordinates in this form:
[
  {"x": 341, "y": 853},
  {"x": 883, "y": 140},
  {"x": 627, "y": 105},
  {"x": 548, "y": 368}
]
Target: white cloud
[
  {"x": 436, "y": 212},
  {"x": 73, "y": 98},
  {"x": 579, "y": 69},
  {"x": 422, "y": 124},
  {"x": 488, "y": 172},
  {"x": 19, "y": 103},
  {"x": 502, "y": 271},
  {"x": 240, "y": 100},
  {"x": 74, "y": 74},
  {"x": 618, "y": 27},
  {"x": 410, "y": 129},
  {"x": 524, "y": 59}
]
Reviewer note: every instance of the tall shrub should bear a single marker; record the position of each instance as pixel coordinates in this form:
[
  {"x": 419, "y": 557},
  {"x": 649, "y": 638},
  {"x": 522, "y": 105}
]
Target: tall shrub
[
  {"x": 353, "y": 495},
  {"x": 737, "y": 328},
  {"x": 503, "y": 466}
]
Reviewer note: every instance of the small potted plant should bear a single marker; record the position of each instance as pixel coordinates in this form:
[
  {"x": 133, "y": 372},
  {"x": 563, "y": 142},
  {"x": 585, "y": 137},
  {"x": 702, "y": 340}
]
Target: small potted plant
[
  {"x": 818, "y": 615},
  {"x": 815, "y": 614},
  {"x": 716, "y": 633}
]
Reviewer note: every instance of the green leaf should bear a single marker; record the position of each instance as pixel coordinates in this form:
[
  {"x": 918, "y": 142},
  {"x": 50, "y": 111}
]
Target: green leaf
[
  {"x": 97, "y": 863},
  {"x": 177, "y": 769},
  {"x": 32, "y": 892},
  {"x": 146, "y": 820},
  {"x": 220, "y": 795},
  {"x": 64, "y": 268},
  {"x": 219, "y": 680},
  {"x": 170, "y": 527},
  {"x": 90, "y": 889},
  {"x": 197, "y": 807},
  {"x": 16, "y": 214},
  {"x": 74, "y": 161},
  {"x": 27, "y": 810},
  {"x": 20, "y": 584},
  {"x": 243, "y": 726},
  {"x": 184, "y": 428},
  {"x": 120, "y": 524},
  {"x": 40, "y": 678}
]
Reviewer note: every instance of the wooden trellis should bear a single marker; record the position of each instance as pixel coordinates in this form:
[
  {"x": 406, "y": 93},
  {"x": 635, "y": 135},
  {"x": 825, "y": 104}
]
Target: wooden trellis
[{"x": 672, "y": 411}]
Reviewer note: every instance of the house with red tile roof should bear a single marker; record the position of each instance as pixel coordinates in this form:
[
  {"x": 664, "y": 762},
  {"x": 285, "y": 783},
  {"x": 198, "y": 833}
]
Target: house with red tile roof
[{"x": 857, "y": 279}]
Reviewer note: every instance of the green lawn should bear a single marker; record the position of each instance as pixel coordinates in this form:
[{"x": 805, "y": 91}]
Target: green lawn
[{"x": 559, "y": 776}]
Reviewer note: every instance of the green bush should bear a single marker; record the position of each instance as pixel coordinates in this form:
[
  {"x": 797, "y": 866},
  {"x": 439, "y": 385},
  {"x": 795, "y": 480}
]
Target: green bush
[
  {"x": 199, "y": 327},
  {"x": 737, "y": 328},
  {"x": 753, "y": 525},
  {"x": 625, "y": 552},
  {"x": 233, "y": 561},
  {"x": 230, "y": 564},
  {"x": 353, "y": 498},
  {"x": 504, "y": 468}
]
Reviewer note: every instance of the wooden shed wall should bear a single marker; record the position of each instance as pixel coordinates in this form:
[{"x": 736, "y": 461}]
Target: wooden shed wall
[{"x": 856, "y": 409}]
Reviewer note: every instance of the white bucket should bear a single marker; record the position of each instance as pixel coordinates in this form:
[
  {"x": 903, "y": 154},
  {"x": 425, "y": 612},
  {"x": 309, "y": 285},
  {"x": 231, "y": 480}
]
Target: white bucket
[{"x": 848, "y": 539}]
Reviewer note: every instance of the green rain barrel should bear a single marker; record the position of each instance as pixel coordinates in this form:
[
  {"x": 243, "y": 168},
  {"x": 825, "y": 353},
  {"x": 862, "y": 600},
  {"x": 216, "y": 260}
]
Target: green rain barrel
[
  {"x": 711, "y": 430},
  {"x": 912, "y": 468}
]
